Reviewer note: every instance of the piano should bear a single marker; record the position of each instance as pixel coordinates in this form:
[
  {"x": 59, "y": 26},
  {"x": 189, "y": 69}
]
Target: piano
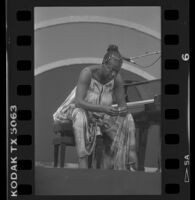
[{"x": 150, "y": 115}]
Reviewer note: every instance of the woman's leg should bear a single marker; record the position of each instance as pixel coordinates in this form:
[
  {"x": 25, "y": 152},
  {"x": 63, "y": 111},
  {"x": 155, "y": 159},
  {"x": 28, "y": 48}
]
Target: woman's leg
[
  {"x": 83, "y": 162},
  {"x": 81, "y": 133},
  {"x": 121, "y": 132},
  {"x": 132, "y": 150},
  {"x": 124, "y": 144}
]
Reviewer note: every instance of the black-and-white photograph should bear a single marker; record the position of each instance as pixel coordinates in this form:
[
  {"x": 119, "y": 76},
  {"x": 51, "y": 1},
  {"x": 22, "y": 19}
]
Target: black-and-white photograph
[{"x": 97, "y": 75}]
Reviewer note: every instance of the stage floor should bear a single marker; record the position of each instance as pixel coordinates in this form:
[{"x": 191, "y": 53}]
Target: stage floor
[{"x": 74, "y": 181}]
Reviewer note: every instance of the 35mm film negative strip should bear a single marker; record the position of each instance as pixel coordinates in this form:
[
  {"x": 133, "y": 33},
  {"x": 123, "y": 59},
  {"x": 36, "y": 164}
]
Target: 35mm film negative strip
[{"x": 98, "y": 99}]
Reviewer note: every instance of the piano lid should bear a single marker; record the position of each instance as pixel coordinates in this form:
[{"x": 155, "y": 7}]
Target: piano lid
[{"x": 144, "y": 90}]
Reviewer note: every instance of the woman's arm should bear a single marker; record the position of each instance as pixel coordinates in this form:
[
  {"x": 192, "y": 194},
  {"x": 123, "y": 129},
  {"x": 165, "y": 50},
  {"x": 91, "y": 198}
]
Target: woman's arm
[
  {"x": 81, "y": 92},
  {"x": 119, "y": 92}
]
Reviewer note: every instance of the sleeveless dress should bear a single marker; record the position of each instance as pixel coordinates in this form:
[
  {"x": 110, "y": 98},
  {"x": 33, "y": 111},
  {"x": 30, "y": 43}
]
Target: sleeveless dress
[{"x": 118, "y": 132}]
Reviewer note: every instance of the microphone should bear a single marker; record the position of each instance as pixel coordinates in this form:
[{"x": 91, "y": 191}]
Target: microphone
[{"x": 128, "y": 59}]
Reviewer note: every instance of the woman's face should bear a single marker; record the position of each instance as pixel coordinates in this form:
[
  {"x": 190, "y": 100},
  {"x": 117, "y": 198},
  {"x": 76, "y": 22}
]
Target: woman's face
[{"x": 111, "y": 69}]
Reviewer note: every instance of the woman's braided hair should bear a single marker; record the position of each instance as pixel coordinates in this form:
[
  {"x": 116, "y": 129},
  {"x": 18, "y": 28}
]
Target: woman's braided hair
[{"x": 112, "y": 53}]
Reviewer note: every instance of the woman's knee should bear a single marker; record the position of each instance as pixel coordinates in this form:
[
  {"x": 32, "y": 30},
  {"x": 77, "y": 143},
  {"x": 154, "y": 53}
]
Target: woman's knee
[
  {"x": 133, "y": 147},
  {"x": 129, "y": 117},
  {"x": 79, "y": 114},
  {"x": 129, "y": 121}
]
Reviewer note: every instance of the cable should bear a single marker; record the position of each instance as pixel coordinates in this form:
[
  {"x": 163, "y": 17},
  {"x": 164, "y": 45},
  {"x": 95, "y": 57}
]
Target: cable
[
  {"x": 131, "y": 60},
  {"x": 147, "y": 65}
]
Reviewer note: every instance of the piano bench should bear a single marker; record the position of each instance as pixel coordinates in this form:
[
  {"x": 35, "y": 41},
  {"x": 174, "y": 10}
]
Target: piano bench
[{"x": 65, "y": 138}]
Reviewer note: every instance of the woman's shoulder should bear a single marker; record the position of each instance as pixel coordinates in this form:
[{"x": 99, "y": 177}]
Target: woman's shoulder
[
  {"x": 87, "y": 73},
  {"x": 91, "y": 70}
]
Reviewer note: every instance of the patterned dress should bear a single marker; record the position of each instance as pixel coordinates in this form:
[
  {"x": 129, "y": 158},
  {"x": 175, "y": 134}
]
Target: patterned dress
[{"x": 118, "y": 133}]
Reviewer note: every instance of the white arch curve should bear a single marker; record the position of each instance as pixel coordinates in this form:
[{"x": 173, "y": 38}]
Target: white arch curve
[
  {"x": 89, "y": 60},
  {"x": 97, "y": 19}
]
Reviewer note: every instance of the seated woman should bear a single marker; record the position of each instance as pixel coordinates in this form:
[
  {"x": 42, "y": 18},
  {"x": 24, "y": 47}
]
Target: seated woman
[{"x": 89, "y": 106}]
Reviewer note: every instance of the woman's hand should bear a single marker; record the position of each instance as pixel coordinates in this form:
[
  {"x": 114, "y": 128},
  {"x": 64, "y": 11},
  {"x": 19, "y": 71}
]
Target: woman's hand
[
  {"x": 110, "y": 110},
  {"x": 123, "y": 111}
]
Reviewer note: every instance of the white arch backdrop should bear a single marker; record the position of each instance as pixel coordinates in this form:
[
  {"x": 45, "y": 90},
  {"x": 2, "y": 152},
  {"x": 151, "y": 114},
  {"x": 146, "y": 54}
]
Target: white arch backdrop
[
  {"x": 89, "y": 60},
  {"x": 97, "y": 19}
]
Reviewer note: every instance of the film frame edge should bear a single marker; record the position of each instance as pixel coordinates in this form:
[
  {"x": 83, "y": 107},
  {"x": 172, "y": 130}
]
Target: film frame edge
[{"x": 174, "y": 45}]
